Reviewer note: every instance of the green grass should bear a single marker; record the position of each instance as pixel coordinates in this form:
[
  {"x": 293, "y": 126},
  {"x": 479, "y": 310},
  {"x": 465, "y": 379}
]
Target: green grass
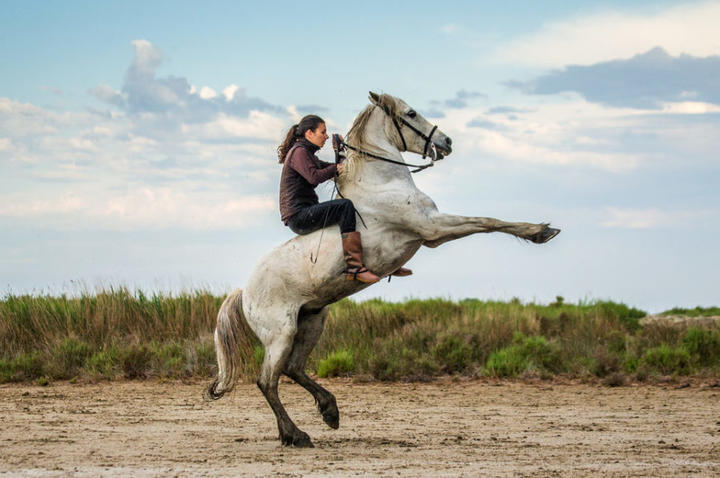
[
  {"x": 337, "y": 364},
  {"x": 117, "y": 333},
  {"x": 696, "y": 312}
]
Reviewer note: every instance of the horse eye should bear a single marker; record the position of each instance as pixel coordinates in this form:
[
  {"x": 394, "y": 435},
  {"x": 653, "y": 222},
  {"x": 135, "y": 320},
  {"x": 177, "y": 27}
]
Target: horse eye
[{"x": 412, "y": 113}]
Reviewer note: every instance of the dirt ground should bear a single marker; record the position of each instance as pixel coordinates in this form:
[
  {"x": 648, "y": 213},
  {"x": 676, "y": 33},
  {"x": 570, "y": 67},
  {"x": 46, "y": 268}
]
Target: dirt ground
[{"x": 444, "y": 428}]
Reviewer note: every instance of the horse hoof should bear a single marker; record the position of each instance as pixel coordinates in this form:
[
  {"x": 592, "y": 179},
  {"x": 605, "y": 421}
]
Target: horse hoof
[
  {"x": 299, "y": 439},
  {"x": 331, "y": 417},
  {"x": 302, "y": 441},
  {"x": 545, "y": 235}
]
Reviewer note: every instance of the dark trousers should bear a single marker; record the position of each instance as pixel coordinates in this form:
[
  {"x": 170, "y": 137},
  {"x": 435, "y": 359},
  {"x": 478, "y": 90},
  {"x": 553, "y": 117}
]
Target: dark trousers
[{"x": 337, "y": 211}]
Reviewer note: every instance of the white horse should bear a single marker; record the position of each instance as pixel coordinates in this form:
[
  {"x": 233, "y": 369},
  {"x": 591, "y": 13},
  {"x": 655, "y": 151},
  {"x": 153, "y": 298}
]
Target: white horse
[{"x": 285, "y": 301}]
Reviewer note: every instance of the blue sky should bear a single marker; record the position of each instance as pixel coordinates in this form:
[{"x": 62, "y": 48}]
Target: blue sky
[{"x": 137, "y": 139}]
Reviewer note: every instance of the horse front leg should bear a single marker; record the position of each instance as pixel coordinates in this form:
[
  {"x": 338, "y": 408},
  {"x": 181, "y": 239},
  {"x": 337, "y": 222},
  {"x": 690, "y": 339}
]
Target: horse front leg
[{"x": 439, "y": 228}]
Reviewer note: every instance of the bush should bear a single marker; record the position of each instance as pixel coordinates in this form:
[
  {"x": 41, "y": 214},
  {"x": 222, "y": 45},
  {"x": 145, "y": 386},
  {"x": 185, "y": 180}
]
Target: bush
[
  {"x": 69, "y": 357},
  {"x": 258, "y": 355},
  {"x": 24, "y": 367},
  {"x": 605, "y": 362},
  {"x": 696, "y": 312},
  {"x": 703, "y": 346},
  {"x": 628, "y": 316},
  {"x": 169, "y": 360},
  {"x": 104, "y": 363},
  {"x": 135, "y": 361},
  {"x": 452, "y": 354},
  {"x": 667, "y": 360},
  {"x": 525, "y": 355},
  {"x": 340, "y": 363}
]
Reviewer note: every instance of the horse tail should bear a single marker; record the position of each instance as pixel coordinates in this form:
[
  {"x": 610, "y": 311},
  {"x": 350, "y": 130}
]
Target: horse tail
[{"x": 229, "y": 339}]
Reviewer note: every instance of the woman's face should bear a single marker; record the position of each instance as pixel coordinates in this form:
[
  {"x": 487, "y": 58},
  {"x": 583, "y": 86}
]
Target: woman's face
[{"x": 317, "y": 137}]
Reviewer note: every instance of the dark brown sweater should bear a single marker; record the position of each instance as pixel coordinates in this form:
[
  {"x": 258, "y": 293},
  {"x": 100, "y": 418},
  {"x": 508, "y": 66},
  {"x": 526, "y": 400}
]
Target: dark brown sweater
[{"x": 302, "y": 172}]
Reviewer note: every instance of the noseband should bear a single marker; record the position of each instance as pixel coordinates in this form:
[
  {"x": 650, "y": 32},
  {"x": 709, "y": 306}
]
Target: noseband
[{"x": 427, "y": 138}]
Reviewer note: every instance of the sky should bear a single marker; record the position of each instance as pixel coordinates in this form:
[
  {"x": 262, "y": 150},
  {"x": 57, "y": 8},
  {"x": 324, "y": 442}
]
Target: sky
[{"x": 137, "y": 140}]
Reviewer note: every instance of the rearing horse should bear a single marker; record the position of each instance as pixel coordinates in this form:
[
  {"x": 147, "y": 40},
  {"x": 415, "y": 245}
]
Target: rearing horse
[{"x": 285, "y": 300}]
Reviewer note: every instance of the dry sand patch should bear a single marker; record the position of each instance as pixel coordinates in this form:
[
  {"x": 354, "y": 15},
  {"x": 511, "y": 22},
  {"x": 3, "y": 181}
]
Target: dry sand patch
[{"x": 443, "y": 428}]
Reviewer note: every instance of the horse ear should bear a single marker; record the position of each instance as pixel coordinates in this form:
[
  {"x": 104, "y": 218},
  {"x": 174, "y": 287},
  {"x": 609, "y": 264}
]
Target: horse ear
[{"x": 374, "y": 97}]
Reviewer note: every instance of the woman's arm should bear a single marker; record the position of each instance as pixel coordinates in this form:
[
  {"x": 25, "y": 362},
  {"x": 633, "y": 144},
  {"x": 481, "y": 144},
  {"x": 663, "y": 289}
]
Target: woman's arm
[{"x": 303, "y": 163}]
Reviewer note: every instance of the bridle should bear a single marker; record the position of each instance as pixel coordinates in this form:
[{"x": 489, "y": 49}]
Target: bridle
[{"x": 428, "y": 144}]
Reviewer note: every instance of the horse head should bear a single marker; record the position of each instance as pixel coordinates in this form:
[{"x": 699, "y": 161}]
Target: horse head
[{"x": 410, "y": 130}]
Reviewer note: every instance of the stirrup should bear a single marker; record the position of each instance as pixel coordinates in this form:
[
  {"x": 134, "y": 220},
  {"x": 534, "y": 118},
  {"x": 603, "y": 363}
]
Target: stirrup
[{"x": 354, "y": 273}]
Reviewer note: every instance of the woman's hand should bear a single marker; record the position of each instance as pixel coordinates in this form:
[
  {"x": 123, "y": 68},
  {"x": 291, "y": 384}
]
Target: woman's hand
[{"x": 340, "y": 167}]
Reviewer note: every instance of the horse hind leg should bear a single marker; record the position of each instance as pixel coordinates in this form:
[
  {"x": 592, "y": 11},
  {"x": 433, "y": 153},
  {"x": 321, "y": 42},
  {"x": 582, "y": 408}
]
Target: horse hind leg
[
  {"x": 310, "y": 327},
  {"x": 277, "y": 351}
]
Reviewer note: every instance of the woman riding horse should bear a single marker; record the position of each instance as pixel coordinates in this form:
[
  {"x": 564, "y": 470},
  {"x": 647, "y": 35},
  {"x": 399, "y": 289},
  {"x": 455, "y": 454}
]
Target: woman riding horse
[{"x": 299, "y": 206}]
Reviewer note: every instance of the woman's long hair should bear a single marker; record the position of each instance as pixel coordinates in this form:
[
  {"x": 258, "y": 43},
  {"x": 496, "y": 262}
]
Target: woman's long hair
[{"x": 297, "y": 131}]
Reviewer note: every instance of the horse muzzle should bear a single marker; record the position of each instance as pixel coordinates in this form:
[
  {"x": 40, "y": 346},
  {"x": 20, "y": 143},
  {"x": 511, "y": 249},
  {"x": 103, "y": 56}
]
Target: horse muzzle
[{"x": 442, "y": 148}]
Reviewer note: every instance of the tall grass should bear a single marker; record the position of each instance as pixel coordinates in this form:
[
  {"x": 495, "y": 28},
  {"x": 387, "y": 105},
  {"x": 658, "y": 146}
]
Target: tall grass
[{"x": 118, "y": 333}]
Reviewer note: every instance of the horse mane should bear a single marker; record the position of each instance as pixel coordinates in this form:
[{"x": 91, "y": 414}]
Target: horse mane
[{"x": 356, "y": 136}]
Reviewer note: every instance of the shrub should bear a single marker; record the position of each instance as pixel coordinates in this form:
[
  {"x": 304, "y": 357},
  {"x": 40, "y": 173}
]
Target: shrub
[
  {"x": 507, "y": 362},
  {"x": 667, "y": 360},
  {"x": 135, "y": 361},
  {"x": 29, "y": 366},
  {"x": 169, "y": 359},
  {"x": 525, "y": 354},
  {"x": 696, "y": 312},
  {"x": 703, "y": 346},
  {"x": 104, "y": 363},
  {"x": 340, "y": 363},
  {"x": 628, "y": 316},
  {"x": 452, "y": 354},
  {"x": 204, "y": 357},
  {"x": 258, "y": 355},
  {"x": 605, "y": 362},
  {"x": 68, "y": 357}
]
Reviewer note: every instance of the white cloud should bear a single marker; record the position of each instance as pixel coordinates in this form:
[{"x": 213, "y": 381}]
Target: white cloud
[
  {"x": 649, "y": 218},
  {"x": 207, "y": 93},
  {"x": 142, "y": 207},
  {"x": 690, "y": 108},
  {"x": 583, "y": 40},
  {"x": 559, "y": 134},
  {"x": 449, "y": 28},
  {"x": 229, "y": 92},
  {"x": 257, "y": 125}
]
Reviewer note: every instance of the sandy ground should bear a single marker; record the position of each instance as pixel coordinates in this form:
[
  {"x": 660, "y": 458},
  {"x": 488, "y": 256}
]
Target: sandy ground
[{"x": 445, "y": 428}]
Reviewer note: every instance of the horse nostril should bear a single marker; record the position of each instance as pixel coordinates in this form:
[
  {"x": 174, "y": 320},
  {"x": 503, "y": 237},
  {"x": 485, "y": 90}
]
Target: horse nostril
[{"x": 448, "y": 141}]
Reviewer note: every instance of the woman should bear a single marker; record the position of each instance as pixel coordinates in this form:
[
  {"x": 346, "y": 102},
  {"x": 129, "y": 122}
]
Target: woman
[{"x": 299, "y": 205}]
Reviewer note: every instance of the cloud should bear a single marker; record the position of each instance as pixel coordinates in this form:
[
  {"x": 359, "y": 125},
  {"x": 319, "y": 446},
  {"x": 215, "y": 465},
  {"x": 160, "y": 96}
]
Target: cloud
[
  {"x": 173, "y": 96},
  {"x": 449, "y": 28},
  {"x": 163, "y": 154},
  {"x": 311, "y": 109},
  {"x": 588, "y": 39},
  {"x": 506, "y": 110},
  {"x": 644, "y": 81},
  {"x": 481, "y": 122},
  {"x": 109, "y": 95},
  {"x": 143, "y": 207},
  {"x": 650, "y": 218},
  {"x": 432, "y": 113},
  {"x": 580, "y": 135},
  {"x": 461, "y": 98}
]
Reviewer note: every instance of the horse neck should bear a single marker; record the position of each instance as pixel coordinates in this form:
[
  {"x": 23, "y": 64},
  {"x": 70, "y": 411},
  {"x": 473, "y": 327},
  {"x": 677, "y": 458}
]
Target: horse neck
[{"x": 375, "y": 172}]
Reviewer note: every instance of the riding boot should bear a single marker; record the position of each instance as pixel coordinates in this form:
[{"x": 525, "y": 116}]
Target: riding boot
[
  {"x": 352, "y": 250},
  {"x": 402, "y": 272}
]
